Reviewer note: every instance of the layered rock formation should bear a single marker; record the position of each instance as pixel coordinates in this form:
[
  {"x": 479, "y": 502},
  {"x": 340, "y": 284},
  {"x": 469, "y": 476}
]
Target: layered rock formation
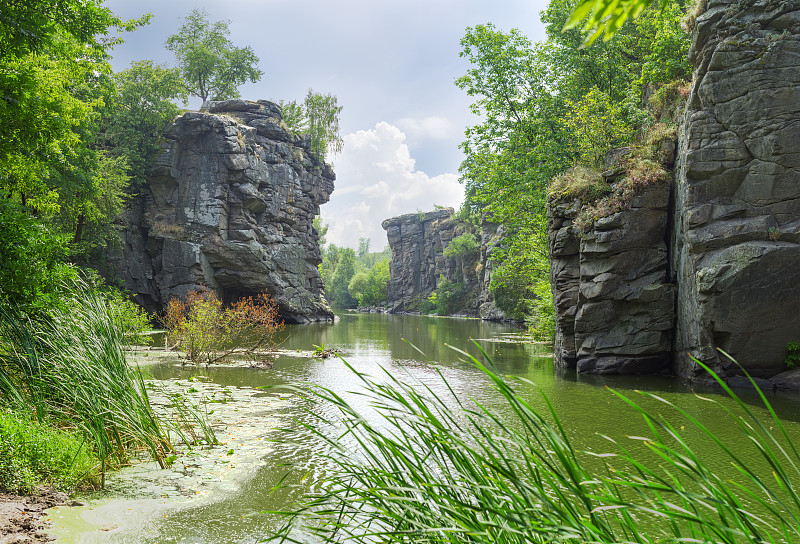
[
  {"x": 418, "y": 242},
  {"x": 614, "y": 303},
  {"x": 229, "y": 205},
  {"x": 730, "y": 266},
  {"x": 737, "y": 234}
]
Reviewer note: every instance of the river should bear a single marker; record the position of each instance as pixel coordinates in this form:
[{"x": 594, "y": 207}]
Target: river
[{"x": 220, "y": 495}]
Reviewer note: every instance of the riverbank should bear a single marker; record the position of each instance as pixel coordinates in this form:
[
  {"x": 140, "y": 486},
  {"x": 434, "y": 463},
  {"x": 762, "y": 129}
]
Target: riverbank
[{"x": 23, "y": 519}]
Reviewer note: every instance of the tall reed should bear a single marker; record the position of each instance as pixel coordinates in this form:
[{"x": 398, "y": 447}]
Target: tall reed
[
  {"x": 425, "y": 472},
  {"x": 70, "y": 367}
]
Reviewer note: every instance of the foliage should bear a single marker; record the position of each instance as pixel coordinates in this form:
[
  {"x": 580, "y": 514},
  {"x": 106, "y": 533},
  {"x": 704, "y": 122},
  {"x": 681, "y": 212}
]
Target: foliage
[
  {"x": 606, "y": 16},
  {"x": 579, "y": 182},
  {"x": 293, "y": 115},
  {"x": 140, "y": 109},
  {"x": 208, "y": 332},
  {"x": 463, "y": 245},
  {"x": 318, "y": 117},
  {"x": 337, "y": 269},
  {"x": 33, "y": 454},
  {"x": 370, "y": 286},
  {"x": 547, "y": 109},
  {"x": 68, "y": 367},
  {"x": 210, "y": 66},
  {"x": 322, "y": 114},
  {"x": 639, "y": 173},
  {"x": 322, "y": 231},
  {"x": 32, "y": 256},
  {"x": 792, "y": 359},
  {"x": 448, "y": 297},
  {"x": 426, "y": 472}
]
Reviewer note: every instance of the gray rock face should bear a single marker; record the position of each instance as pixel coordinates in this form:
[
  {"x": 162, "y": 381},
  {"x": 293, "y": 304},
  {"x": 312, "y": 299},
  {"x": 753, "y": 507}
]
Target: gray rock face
[
  {"x": 229, "y": 206},
  {"x": 613, "y": 301},
  {"x": 417, "y": 241},
  {"x": 736, "y": 246},
  {"x": 734, "y": 235}
]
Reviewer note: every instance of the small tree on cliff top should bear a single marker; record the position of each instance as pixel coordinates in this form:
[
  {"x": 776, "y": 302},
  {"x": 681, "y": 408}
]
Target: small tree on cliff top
[
  {"x": 210, "y": 65},
  {"x": 318, "y": 117}
]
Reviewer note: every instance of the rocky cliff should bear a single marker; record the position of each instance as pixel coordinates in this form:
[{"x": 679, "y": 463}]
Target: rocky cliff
[
  {"x": 716, "y": 265},
  {"x": 229, "y": 205},
  {"x": 420, "y": 260},
  {"x": 737, "y": 200}
]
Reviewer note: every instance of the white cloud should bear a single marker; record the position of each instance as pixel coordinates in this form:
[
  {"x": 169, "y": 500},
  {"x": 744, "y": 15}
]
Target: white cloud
[
  {"x": 436, "y": 128},
  {"x": 379, "y": 164}
]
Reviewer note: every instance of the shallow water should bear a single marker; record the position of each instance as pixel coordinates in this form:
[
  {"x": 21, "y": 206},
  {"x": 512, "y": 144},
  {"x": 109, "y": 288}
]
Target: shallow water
[{"x": 210, "y": 496}]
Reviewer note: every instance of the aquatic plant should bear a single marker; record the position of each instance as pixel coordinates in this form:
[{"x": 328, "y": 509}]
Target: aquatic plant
[
  {"x": 425, "y": 472},
  {"x": 69, "y": 369}
]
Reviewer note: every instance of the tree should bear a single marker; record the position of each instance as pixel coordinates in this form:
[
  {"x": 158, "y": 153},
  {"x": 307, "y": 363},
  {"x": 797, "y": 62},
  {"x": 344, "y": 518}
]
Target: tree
[
  {"x": 544, "y": 108},
  {"x": 322, "y": 117},
  {"x": 140, "y": 109},
  {"x": 606, "y": 16},
  {"x": 211, "y": 67}
]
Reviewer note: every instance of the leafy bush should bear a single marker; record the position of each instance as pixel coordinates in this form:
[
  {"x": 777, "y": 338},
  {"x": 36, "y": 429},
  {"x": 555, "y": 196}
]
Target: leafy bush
[
  {"x": 207, "y": 332},
  {"x": 449, "y": 296},
  {"x": 464, "y": 245},
  {"x": 34, "y": 454},
  {"x": 792, "y": 359},
  {"x": 371, "y": 287}
]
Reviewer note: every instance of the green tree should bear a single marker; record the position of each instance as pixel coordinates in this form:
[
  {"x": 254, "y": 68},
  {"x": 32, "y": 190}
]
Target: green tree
[
  {"x": 138, "y": 112},
  {"x": 546, "y": 107},
  {"x": 338, "y": 282},
  {"x": 322, "y": 119},
  {"x": 370, "y": 287},
  {"x": 210, "y": 65}
]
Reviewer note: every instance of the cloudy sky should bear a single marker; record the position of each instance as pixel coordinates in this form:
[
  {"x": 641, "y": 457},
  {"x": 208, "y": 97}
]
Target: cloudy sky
[{"x": 392, "y": 64}]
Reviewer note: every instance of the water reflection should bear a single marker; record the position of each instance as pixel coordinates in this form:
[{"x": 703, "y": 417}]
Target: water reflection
[{"x": 388, "y": 346}]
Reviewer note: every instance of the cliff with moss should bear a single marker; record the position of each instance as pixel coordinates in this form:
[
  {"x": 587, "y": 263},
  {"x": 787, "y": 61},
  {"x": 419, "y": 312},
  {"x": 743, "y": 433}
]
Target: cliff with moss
[
  {"x": 229, "y": 206},
  {"x": 655, "y": 266}
]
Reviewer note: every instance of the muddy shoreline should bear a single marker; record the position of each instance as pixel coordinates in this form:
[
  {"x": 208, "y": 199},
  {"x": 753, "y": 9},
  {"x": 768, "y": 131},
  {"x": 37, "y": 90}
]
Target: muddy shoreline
[{"x": 23, "y": 518}]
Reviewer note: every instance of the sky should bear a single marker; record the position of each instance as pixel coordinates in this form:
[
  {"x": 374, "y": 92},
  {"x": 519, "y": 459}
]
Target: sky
[{"x": 392, "y": 66}]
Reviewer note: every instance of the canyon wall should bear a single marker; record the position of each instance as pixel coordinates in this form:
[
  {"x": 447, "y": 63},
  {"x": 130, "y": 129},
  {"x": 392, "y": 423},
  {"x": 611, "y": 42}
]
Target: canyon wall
[
  {"x": 736, "y": 237},
  {"x": 418, "y": 242},
  {"x": 709, "y": 260},
  {"x": 229, "y": 206}
]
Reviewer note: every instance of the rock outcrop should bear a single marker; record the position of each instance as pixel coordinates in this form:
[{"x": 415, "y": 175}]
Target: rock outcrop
[
  {"x": 229, "y": 206},
  {"x": 418, "y": 242},
  {"x": 725, "y": 252},
  {"x": 613, "y": 299},
  {"x": 737, "y": 200}
]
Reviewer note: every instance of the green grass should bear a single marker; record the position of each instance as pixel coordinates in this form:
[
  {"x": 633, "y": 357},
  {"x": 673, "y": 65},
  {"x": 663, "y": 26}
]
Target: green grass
[
  {"x": 425, "y": 472},
  {"x": 69, "y": 369},
  {"x": 33, "y": 454}
]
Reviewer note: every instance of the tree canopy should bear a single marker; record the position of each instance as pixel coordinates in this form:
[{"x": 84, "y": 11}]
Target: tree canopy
[
  {"x": 544, "y": 108},
  {"x": 318, "y": 117},
  {"x": 211, "y": 67}
]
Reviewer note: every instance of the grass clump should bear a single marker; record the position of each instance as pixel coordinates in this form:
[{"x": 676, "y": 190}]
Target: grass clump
[
  {"x": 579, "y": 182},
  {"x": 68, "y": 369},
  {"x": 640, "y": 173},
  {"x": 426, "y": 472},
  {"x": 33, "y": 454}
]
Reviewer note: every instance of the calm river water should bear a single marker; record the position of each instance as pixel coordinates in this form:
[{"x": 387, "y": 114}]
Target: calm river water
[{"x": 234, "y": 511}]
